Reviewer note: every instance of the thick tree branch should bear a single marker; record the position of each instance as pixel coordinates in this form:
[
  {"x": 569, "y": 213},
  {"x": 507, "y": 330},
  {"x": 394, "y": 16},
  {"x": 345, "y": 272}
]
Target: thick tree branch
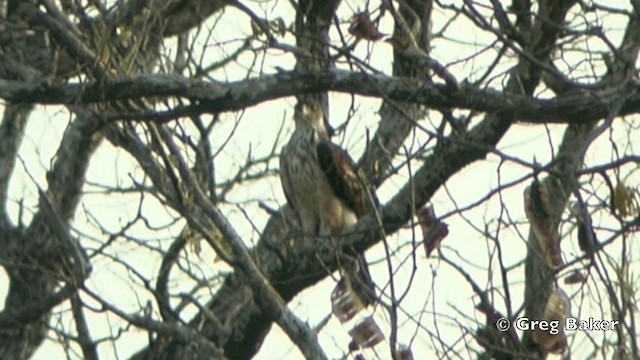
[
  {"x": 398, "y": 118},
  {"x": 564, "y": 182},
  {"x": 88, "y": 346},
  {"x": 12, "y": 128},
  {"x": 12, "y": 319},
  {"x": 267, "y": 298},
  {"x": 39, "y": 261},
  {"x": 577, "y": 107},
  {"x": 241, "y": 311}
]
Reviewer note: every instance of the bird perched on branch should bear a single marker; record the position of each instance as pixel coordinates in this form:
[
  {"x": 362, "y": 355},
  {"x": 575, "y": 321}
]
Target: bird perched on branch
[{"x": 324, "y": 187}]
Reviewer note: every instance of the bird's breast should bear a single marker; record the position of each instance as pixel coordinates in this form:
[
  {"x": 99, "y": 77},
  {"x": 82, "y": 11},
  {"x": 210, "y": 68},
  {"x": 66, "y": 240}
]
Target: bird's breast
[{"x": 312, "y": 193}]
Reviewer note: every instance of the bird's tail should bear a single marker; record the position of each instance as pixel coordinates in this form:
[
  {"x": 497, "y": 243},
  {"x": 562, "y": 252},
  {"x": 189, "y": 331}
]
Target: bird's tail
[
  {"x": 354, "y": 293},
  {"x": 359, "y": 278}
]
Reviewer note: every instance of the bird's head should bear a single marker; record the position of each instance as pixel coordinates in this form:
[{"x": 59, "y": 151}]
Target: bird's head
[
  {"x": 308, "y": 113},
  {"x": 312, "y": 115}
]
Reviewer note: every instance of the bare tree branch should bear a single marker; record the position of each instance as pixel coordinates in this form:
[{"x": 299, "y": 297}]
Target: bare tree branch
[{"x": 582, "y": 106}]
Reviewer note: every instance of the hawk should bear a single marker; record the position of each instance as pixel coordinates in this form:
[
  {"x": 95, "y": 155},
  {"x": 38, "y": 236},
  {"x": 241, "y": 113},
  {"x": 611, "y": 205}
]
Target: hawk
[{"x": 325, "y": 189}]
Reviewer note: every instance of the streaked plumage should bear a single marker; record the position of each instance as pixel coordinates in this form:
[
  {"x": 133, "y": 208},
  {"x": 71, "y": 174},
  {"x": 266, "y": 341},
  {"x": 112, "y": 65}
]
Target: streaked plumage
[{"x": 324, "y": 187}]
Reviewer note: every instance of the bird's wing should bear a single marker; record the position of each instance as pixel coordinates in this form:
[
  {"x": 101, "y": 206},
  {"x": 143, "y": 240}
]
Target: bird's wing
[
  {"x": 351, "y": 187},
  {"x": 348, "y": 184}
]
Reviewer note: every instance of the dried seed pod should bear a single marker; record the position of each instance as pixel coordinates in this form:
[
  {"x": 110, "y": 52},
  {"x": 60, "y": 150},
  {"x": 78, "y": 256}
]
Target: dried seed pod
[
  {"x": 537, "y": 209},
  {"x": 624, "y": 200}
]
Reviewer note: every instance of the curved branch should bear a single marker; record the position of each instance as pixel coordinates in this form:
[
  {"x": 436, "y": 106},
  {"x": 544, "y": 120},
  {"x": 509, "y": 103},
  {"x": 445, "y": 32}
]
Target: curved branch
[
  {"x": 43, "y": 254},
  {"x": 398, "y": 118},
  {"x": 12, "y": 128},
  {"x": 575, "y": 107},
  {"x": 250, "y": 323}
]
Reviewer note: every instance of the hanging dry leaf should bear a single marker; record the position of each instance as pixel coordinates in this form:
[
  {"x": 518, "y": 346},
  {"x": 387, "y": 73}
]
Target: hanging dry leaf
[
  {"x": 353, "y": 346},
  {"x": 537, "y": 209},
  {"x": 403, "y": 352},
  {"x": 587, "y": 240},
  {"x": 575, "y": 277},
  {"x": 363, "y": 28},
  {"x": 345, "y": 303},
  {"x": 624, "y": 200},
  {"x": 558, "y": 308},
  {"x": 433, "y": 230},
  {"x": 193, "y": 239},
  {"x": 493, "y": 317},
  {"x": 366, "y": 333}
]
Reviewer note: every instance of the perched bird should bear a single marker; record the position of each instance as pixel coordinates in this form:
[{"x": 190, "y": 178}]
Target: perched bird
[{"x": 328, "y": 193}]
